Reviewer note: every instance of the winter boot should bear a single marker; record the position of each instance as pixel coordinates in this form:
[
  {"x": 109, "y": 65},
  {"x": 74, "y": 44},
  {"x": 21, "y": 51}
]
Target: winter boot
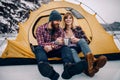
[
  {"x": 90, "y": 74},
  {"x": 74, "y": 69},
  {"x": 99, "y": 62},
  {"x": 66, "y": 74},
  {"x": 90, "y": 60},
  {"x": 47, "y": 71}
]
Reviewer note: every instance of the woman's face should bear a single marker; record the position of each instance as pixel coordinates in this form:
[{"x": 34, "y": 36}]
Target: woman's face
[{"x": 69, "y": 20}]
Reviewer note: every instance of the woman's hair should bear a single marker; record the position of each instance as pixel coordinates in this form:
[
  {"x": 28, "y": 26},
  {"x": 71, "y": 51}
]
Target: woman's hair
[{"x": 65, "y": 17}]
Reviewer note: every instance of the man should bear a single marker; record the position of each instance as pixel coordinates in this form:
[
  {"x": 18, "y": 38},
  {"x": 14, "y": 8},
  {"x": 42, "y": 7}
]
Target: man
[{"x": 49, "y": 37}]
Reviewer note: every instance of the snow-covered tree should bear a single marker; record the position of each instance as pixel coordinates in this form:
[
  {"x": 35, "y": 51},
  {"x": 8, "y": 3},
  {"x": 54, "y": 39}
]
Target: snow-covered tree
[{"x": 14, "y": 11}]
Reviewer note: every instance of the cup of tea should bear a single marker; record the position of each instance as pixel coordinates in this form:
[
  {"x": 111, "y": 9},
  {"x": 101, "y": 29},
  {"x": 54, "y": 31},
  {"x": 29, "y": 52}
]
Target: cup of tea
[{"x": 66, "y": 41}]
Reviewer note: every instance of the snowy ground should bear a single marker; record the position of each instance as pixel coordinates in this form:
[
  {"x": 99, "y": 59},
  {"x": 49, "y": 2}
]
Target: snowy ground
[{"x": 111, "y": 71}]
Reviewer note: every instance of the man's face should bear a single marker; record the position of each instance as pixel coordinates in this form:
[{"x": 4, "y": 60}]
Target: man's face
[{"x": 55, "y": 24}]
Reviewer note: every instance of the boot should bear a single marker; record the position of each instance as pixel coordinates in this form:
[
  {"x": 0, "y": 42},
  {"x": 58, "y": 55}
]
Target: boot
[
  {"x": 90, "y": 60},
  {"x": 90, "y": 74},
  {"x": 47, "y": 71},
  {"x": 74, "y": 69},
  {"x": 78, "y": 68},
  {"x": 66, "y": 74},
  {"x": 99, "y": 62}
]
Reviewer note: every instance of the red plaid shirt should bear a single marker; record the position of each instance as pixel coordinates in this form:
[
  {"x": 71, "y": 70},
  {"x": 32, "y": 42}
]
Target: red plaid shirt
[{"x": 44, "y": 37}]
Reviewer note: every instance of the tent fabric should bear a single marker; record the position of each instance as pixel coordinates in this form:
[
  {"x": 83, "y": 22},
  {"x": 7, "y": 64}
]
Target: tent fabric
[{"x": 101, "y": 41}]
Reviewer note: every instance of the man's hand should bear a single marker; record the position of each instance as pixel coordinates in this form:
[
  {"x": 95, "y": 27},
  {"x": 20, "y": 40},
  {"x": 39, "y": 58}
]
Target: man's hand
[
  {"x": 59, "y": 41},
  {"x": 74, "y": 40},
  {"x": 48, "y": 48}
]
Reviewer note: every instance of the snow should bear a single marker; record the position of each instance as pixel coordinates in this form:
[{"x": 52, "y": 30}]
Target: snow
[{"x": 30, "y": 72}]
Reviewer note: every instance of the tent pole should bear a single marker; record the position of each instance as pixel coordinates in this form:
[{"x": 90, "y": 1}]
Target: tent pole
[{"x": 101, "y": 19}]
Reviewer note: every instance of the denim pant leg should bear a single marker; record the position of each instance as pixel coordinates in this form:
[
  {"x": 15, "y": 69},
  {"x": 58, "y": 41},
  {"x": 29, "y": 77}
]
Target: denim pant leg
[
  {"x": 40, "y": 54},
  {"x": 75, "y": 55},
  {"x": 82, "y": 44},
  {"x": 66, "y": 55}
]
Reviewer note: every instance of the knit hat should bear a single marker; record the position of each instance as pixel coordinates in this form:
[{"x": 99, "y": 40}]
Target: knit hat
[{"x": 55, "y": 15}]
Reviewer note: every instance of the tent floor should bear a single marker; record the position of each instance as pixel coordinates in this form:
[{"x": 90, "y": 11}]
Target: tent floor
[{"x": 111, "y": 71}]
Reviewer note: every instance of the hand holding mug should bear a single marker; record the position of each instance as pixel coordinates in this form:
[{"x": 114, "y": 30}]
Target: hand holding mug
[
  {"x": 74, "y": 39},
  {"x": 59, "y": 41},
  {"x": 48, "y": 48}
]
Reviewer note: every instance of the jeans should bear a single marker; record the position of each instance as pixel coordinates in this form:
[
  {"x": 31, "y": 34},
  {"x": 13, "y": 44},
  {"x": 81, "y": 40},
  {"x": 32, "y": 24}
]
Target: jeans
[
  {"x": 81, "y": 46},
  {"x": 75, "y": 55},
  {"x": 64, "y": 52}
]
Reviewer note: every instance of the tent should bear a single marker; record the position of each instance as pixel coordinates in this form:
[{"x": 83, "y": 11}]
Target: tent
[{"x": 19, "y": 51}]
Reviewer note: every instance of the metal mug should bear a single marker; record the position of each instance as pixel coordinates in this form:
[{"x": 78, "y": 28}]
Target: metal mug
[{"x": 66, "y": 41}]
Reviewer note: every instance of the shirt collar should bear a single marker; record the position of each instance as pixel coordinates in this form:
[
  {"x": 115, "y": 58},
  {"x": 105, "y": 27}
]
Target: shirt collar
[{"x": 45, "y": 26}]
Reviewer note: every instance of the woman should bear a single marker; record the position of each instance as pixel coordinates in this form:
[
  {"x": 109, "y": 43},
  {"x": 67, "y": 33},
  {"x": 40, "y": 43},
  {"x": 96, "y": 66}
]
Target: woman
[{"x": 79, "y": 42}]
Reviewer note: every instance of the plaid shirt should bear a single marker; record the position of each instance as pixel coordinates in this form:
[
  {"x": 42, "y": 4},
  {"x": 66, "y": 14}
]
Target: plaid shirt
[
  {"x": 79, "y": 33},
  {"x": 45, "y": 38}
]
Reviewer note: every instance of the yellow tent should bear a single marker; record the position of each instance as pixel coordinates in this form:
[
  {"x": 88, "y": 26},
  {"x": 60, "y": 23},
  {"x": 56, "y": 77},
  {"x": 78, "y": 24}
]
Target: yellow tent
[{"x": 19, "y": 51}]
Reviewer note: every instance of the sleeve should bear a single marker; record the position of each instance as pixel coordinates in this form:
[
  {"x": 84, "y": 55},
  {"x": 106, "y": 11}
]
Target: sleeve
[
  {"x": 62, "y": 33},
  {"x": 83, "y": 35}
]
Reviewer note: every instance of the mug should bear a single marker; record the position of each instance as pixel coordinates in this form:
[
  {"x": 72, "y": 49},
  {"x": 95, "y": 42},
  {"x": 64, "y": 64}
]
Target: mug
[{"x": 66, "y": 41}]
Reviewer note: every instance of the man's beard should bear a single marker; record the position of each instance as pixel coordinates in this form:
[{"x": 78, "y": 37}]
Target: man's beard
[
  {"x": 55, "y": 27},
  {"x": 53, "y": 30}
]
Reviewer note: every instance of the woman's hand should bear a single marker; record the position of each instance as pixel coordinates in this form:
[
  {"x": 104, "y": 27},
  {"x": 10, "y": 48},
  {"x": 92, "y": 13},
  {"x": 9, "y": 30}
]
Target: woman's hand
[{"x": 74, "y": 39}]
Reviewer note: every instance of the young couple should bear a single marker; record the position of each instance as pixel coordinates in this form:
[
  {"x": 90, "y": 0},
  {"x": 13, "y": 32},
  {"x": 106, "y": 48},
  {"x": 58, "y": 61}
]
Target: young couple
[{"x": 50, "y": 43}]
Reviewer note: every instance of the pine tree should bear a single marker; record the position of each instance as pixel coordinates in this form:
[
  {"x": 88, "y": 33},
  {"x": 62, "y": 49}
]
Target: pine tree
[{"x": 14, "y": 11}]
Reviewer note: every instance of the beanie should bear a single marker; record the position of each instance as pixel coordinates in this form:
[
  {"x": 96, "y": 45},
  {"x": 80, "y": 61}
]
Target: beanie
[{"x": 55, "y": 15}]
